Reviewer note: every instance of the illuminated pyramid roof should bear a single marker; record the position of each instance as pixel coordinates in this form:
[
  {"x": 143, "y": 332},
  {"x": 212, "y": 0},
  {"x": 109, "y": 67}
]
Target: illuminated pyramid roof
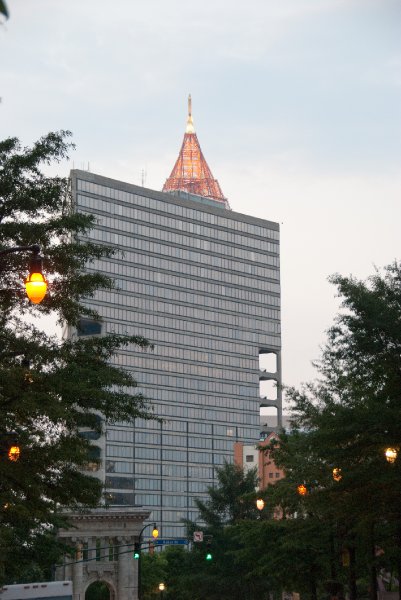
[{"x": 191, "y": 172}]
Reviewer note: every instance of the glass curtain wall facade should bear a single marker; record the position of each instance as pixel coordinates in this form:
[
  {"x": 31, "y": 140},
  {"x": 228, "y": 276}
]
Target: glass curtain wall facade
[{"x": 202, "y": 284}]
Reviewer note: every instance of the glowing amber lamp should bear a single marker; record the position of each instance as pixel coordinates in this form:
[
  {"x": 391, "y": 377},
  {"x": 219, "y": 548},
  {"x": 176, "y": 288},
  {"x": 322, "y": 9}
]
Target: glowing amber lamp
[
  {"x": 36, "y": 284},
  {"x": 155, "y": 531},
  {"x": 14, "y": 453},
  {"x": 36, "y": 287},
  {"x": 260, "y": 504},
  {"x": 337, "y": 476},
  {"x": 391, "y": 455},
  {"x": 302, "y": 490}
]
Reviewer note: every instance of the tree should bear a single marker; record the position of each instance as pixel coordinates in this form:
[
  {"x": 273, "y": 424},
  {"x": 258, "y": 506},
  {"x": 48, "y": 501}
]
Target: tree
[
  {"x": 345, "y": 421},
  {"x": 3, "y": 9},
  {"x": 232, "y": 499},
  {"x": 231, "y": 502},
  {"x": 50, "y": 388}
]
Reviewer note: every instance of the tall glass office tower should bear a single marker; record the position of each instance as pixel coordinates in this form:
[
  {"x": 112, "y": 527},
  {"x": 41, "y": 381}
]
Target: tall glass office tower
[{"x": 202, "y": 283}]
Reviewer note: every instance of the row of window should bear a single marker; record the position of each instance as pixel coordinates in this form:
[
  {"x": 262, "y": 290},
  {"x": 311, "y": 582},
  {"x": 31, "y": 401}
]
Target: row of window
[
  {"x": 178, "y": 531},
  {"x": 171, "y": 208},
  {"x": 162, "y": 469},
  {"x": 129, "y": 223},
  {"x": 167, "y": 485},
  {"x": 192, "y": 249},
  {"x": 157, "y": 439},
  {"x": 191, "y": 312},
  {"x": 176, "y": 340},
  {"x": 163, "y": 380},
  {"x": 146, "y": 305},
  {"x": 161, "y": 453},
  {"x": 184, "y": 398},
  {"x": 225, "y": 270},
  {"x": 166, "y": 500},
  {"x": 213, "y": 429},
  {"x": 211, "y": 358},
  {"x": 191, "y": 283},
  {"x": 198, "y": 283},
  {"x": 194, "y": 299},
  {"x": 160, "y": 322},
  {"x": 162, "y": 352},
  {"x": 185, "y": 412},
  {"x": 185, "y": 368}
]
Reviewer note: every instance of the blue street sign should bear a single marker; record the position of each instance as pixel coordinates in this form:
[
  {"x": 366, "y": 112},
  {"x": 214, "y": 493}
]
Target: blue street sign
[{"x": 172, "y": 542}]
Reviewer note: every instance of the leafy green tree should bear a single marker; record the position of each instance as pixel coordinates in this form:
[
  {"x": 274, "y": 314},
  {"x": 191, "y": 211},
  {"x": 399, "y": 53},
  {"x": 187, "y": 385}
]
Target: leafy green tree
[
  {"x": 154, "y": 569},
  {"x": 345, "y": 421},
  {"x": 232, "y": 498},
  {"x": 3, "y": 9},
  {"x": 230, "y": 502},
  {"x": 50, "y": 388}
]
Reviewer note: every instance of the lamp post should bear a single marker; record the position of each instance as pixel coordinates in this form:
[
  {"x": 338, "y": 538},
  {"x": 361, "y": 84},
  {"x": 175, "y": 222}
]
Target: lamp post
[
  {"x": 162, "y": 587},
  {"x": 35, "y": 284},
  {"x": 155, "y": 534}
]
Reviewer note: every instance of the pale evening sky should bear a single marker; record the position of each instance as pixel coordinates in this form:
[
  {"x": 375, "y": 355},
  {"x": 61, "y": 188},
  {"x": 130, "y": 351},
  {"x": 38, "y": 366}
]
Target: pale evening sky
[{"x": 296, "y": 103}]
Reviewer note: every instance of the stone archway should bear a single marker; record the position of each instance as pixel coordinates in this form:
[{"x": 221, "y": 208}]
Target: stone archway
[
  {"x": 104, "y": 539},
  {"x": 98, "y": 590}
]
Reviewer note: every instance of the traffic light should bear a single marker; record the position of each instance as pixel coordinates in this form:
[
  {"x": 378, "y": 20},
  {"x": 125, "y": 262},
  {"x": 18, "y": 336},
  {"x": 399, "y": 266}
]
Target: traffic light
[
  {"x": 137, "y": 550},
  {"x": 209, "y": 555}
]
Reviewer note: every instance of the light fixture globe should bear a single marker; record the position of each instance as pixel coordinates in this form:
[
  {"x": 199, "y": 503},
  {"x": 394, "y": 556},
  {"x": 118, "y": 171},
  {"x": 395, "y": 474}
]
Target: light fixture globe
[
  {"x": 302, "y": 490},
  {"x": 14, "y": 453},
  {"x": 155, "y": 531},
  {"x": 391, "y": 454},
  {"x": 36, "y": 284},
  {"x": 36, "y": 287},
  {"x": 337, "y": 475},
  {"x": 260, "y": 504}
]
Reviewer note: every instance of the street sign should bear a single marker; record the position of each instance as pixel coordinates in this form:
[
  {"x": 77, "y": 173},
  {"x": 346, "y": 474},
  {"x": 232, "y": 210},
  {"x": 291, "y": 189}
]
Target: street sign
[
  {"x": 198, "y": 536},
  {"x": 172, "y": 542}
]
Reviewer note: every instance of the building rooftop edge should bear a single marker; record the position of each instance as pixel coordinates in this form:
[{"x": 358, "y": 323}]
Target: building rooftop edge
[{"x": 169, "y": 197}]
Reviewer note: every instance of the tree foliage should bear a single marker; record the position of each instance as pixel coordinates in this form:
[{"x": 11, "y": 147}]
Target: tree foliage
[
  {"x": 346, "y": 420},
  {"x": 50, "y": 388}
]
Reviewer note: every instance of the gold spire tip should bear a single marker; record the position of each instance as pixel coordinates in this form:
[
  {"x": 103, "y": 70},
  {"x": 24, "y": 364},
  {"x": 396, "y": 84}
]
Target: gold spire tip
[{"x": 190, "y": 124}]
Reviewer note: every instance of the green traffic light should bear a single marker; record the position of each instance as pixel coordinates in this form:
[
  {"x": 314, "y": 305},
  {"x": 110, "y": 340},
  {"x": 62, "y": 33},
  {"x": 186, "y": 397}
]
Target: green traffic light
[
  {"x": 209, "y": 556},
  {"x": 136, "y": 555}
]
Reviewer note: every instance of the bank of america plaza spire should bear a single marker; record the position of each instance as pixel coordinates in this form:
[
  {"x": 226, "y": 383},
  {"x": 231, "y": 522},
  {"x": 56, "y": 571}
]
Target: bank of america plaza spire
[{"x": 191, "y": 173}]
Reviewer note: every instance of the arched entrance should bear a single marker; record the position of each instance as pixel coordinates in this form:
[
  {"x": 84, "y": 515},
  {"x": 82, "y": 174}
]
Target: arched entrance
[
  {"x": 104, "y": 538},
  {"x": 98, "y": 590}
]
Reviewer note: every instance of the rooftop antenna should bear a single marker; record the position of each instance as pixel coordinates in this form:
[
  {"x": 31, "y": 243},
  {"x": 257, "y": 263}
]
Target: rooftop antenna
[
  {"x": 190, "y": 124},
  {"x": 143, "y": 177}
]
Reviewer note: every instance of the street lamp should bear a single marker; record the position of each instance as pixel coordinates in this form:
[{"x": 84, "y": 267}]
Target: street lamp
[
  {"x": 155, "y": 534},
  {"x": 391, "y": 454},
  {"x": 260, "y": 504},
  {"x": 35, "y": 284},
  {"x": 162, "y": 587},
  {"x": 14, "y": 453},
  {"x": 302, "y": 490}
]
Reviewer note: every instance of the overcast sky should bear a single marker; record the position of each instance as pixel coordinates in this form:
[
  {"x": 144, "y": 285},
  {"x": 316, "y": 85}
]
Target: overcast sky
[{"x": 296, "y": 103}]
